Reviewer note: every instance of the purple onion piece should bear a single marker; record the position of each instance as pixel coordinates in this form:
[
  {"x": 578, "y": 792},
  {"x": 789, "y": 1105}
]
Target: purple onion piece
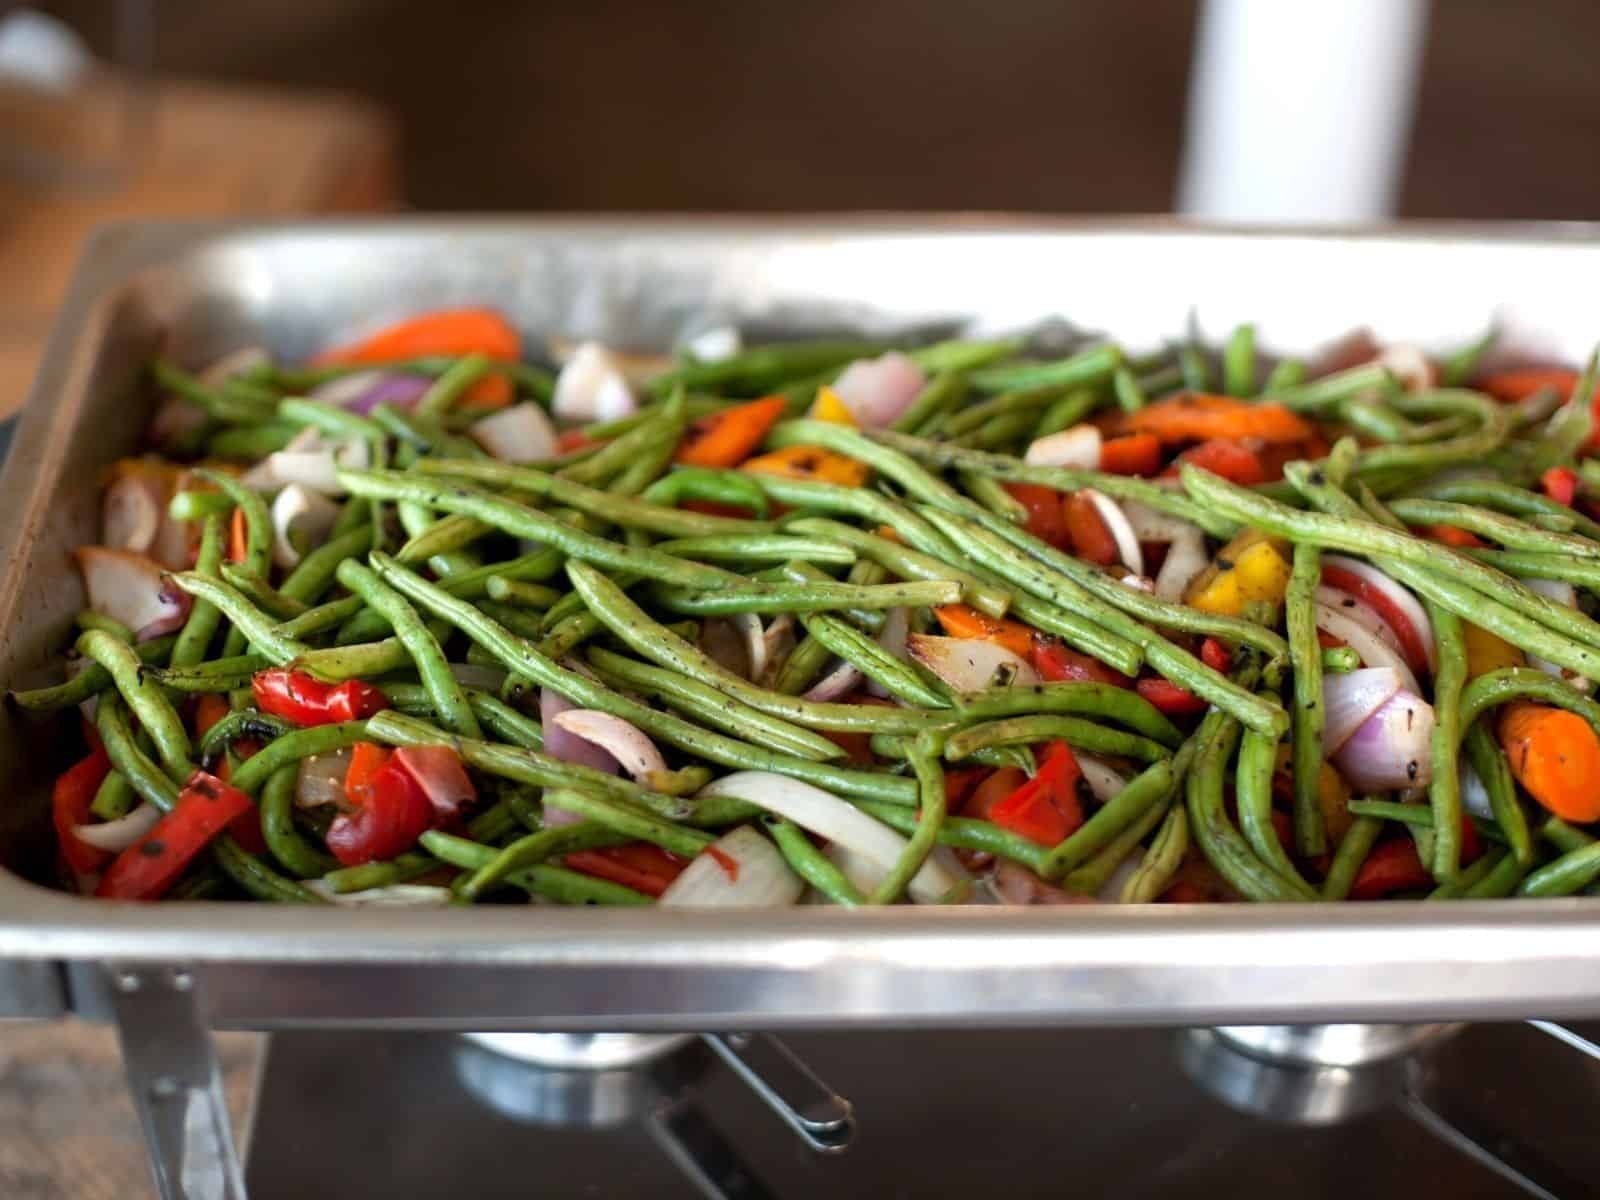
[
  {"x": 568, "y": 747},
  {"x": 397, "y": 391},
  {"x": 175, "y": 603}
]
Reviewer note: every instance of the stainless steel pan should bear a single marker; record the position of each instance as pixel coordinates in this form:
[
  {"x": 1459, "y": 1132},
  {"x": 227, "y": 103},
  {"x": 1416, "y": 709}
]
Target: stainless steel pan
[{"x": 204, "y": 290}]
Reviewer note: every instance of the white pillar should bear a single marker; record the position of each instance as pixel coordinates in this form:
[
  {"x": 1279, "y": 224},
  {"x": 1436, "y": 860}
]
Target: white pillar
[{"x": 1300, "y": 110}]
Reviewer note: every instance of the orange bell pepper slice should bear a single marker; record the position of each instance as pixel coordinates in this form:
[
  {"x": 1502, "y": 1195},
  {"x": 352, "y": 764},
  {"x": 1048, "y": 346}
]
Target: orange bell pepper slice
[
  {"x": 810, "y": 462},
  {"x": 959, "y": 620},
  {"x": 725, "y": 439},
  {"x": 1197, "y": 417}
]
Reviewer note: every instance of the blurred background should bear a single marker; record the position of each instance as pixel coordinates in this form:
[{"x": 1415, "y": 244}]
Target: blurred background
[{"x": 1243, "y": 109}]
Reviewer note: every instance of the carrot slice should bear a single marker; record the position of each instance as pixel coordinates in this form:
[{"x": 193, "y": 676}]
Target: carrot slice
[
  {"x": 726, "y": 438},
  {"x": 448, "y": 331},
  {"x": 1197, "y": 416},
  {"x": 1136, "y": 454},
  {"x": 1555, "y": 756},
  {"x": 1091, "y": 540},
  {"x": 1514, "y": 385},
  {"x": 238, "y": 536},
  {"x": 960, "y": 621}
]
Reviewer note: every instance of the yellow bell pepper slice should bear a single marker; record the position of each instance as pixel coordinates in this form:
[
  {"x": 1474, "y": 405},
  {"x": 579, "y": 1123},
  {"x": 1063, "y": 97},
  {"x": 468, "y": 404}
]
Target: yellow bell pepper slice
[
  {"x": 810, "y": 462},
  {"x": 829, "y": 407},
  {"x": 1251, "y": 569},
  {"x": 1487, "y": 651},
  {"x": 1333, "y": 794}
]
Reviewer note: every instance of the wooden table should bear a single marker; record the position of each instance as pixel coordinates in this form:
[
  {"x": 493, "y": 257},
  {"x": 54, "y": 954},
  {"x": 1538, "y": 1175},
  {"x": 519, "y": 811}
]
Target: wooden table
[{"x": 205, "y": 150}]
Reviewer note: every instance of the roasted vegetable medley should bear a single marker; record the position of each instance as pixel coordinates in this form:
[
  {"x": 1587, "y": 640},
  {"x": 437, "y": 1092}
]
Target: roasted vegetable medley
[{"x": 421, "y": 621}]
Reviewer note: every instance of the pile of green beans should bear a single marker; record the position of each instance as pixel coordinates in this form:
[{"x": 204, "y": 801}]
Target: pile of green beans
[{"x": 737, "y": 619}]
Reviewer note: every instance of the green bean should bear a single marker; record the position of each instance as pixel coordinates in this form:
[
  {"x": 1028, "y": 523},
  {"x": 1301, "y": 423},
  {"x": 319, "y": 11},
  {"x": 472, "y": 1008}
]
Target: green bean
[
  {"x": 256, "y": 625},
  {"x": 335, "y": 614},
  {"x": 533, "y": 849},
  {"x": 201, "y": 625},
  {"x": 802, "y": 668},
  {"x": 1151, "y": 789},
  {"x": 1490, "y": 765},
  {"x": 942, "y": 394},
  {"x": 567, "y": 635},
  {"x": 525, "y": 595},
  {"x": 87, "y": 619},
  {"x": 89, "y": 682},
  {"x": 1470, "y": 876},
  {"x": 1160, "y": 379},
  {"x": 1097, "y": 699},
  {"x": 1505, "y": 684},
  {"x": 557, "y": 883},
  {"x": 635, "y": 823},
  {"x": 964, "y": 354},
  {"x": 762, "y": 369},
  {"x": 924, "y": 757},
  {"x": 621, "y": 453},
  {"x": 354, "y": 514},
  {"x": 1340, "y": 660},
  {"x": 367, "y": 625},
  {"x": 750, "y": 547},
  {"x": 806, "y": 861},
  {"x": 1330, "y": 389},
  {"x": 1130, "y": 396},
  {"x": 1196, "y": 370},
  {"x": 1065, "y": 412},
  {"x": 1444, "y": 792},
  {"x": 147, "y": 779},
  {"x": 329, "y": 419},
  {"x": 144, "y": 698},
  {"x": 522, "y": 659},
  {"x": 688, "y": 483},
  {"x": 449, "y": 701},
  {"x": 1288, "y": 373},
  {"x": 1457, "y": 367},
  {"x": 1239, "y": 362},
  {"x": 257, "y": 520},
  {"x": 993, "y": 496},
  {"x": 654, "y": 460},
  {"x": 251, "y": 443},
  {"x": 806, "y": 597},
  {"x": 1494, "y": 427},
  {"x": 297, "y": 855},
  {"x": 114, "y": 797},
  {"x": 1258, "y": 757},
  {"x": 245, "y": 723},
  {"x": 521, "y": 521},
  {"x": 1501, "y": 881},
  {"x": 316, "y": 570},
  {"x": 962, "y": 833},
  {"x": 1506, "y": 498},
  {"x": 288, "y": 750},
  {"x": 218, "y": 675},
  {"x": 424, "y": 436},
  {"x": 1305, "y": 655},
  {"x": 1349, "y": 856},
  {"x": 1583, "y": 572},
  {"x": 650, "y": 641},
  {"x": 1091, "y": 366},
  {"x": 872, "y": 660},
  {"x": 261, "y": 593},
  {"x": 1562, "y": 836},
  {"x": 1570, "y": 428},
  {"x": 215, "y": 402},
  {"x": 908, "y": 563},
  {"x": 367, "y": 876},
  {"x": 448, "y": 388},
  {"x": 974, "y": 417},
  {"x": 1155, "y": 873},
  {"x": 1506, "y": 530},
  {"x": 1091, "y": 878}
]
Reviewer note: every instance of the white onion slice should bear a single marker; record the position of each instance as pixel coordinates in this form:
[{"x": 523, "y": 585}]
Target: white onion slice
[
  {"x": 321, "y": 779},
  {"x": 635, "y": 752},
  {"x": 1349, "y": 699},
  {"x": 1410, "y": 366},
  {"x": 1111, "y": 890},
  {"x": 842, "y": 679},
  {"x": 394, "y": 895},
  {"x": 777, "y": 643},
  {"x": 175, "y": 613},
  {"x": 126, "y": 587},
  {"x": 1393, "y": 747},
  {"x": 1015, "y": 884},
  {"x": 823, "y": 813},
  {"x": 1103, "y": 782},
  {"x": 891, "y": 638},
  {"x": 713, "y": 345},
  {"x": 1076, "y": 447},
  {"x": 1372, "y": 649},
  {"x": 637, "y": 367},
  {"x": 1396, "y": 595},
  {"x": 748, "y": 627},
  {"x": 970, "y": 664},
  {"x": 592, "y": 387},
  {"x": 1474, "y": 795},
  {"x": 1186, "y": 558},
  {"x": 299, "y": 514},
  {"x": 559, "y": 742},
  {"x": 1565, "y": 594},
  {"x": 759, "y": 877},
  {"x": 116, "y": 836},
  {"x": 866, "y": 874},
  {"x": 132, "y": 511},
  {"x": 1153, "y": 525},
  {"x": 1363, "y": 614},
  {"x": 1121, "y": 531},
  {"x": 520, "y": 433},
  {"x": 877, "y": 390}
]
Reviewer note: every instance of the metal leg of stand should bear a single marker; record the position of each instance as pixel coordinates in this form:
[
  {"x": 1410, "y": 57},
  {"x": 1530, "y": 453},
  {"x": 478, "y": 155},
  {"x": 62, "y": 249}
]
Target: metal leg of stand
[
  {"x": 176, "y": 1086},
  {"x": 824, "y": 1119}
]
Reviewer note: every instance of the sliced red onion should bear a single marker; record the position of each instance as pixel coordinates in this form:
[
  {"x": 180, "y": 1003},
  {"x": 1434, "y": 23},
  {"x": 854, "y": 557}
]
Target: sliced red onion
[
  {"x": 1186, "y": 559},
  {"x": 1372, "y": 649},
  {"x": 342, "y": 391},
  {"x": 1153, "y": 525},
  {"x": 1139, "y": 583},
  {"x": 132, "y": 511},
  {"x": 126, "y": 587},
  {"x": 116, "y": 836},
  {"x": 1015, "y": 884},
  {"x": 1474, "y": 795},
  {"x": 1348, "y": 700},
  {"x": 1364, "y": 615},
  {"x": 842, "y": 679},
  {"x": 892, "y": 638},
  {"x": 748, "y": 627},
  {"x": 561, "y": 743},
  {"x": 393, "y": 895},
  {"x": 1392, "y": 748},
  {"x": 777, "y": 643},
  {"x": 176, "y": 604},
  {"x": 592, "y": 387},
  {"x": 321, "y": 779},
  {"x": 1104, "y": 782},
  {"x": 724, "y": 644},
  {"x": 970, "y": 664},
  {"x": 397, "y": 391},
  {"x": 174, "y": 418},
  {"x": 437, "y": 770},
  {"x": 1121, "y": 531},
  {"x": 520, "y": 433},
  {"x": 823, "y": 813},
  {"x": 878, "y": 390},
  {"x": 1396, "y": 595},
  {"x": 299, "y": 515},
  {"x": 630, "y": 748},
  {"x": 741, "y": 869},
  {"x": 1076, "y": 447}
]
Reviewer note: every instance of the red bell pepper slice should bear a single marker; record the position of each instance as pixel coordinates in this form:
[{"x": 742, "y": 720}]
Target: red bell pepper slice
[
  {"x": 1168, "y": 697},
  {"x": 1235, "y": 463},
  {"x": 980, "y": 804},
  {"x": 640, "y": 865},
  {"x": 1046, "y": 520},
  {"x": 393, "y": 814},
  {"x": 366, "y": 760},
  {"x": 1391, "y": 867},
  {"x": 959, "y": 784},
  {"x": 145, "y": 870},
  {"x": 1046, "y": 809},
  {"x": 439, "y": 773},
  {"x": 1136, "y": 454},
  {"x": 298, "y": 697},
  {"x": 1091, "y": 539},
  {"x": 1376, "y": 599},
  {"x": 1057, "y": 663},
  {"x": 1560, "y": 484},
  {"x": 1215, "y": 655},
  {"x": 69, "y": 807}
]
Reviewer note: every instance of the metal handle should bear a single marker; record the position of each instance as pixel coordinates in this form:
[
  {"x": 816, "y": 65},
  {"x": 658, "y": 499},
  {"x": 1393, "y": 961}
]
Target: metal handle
[
  {"x": 1564, "y": 1035},
  {"x": 824, "y": 1119},
  {"x": 176, "y": 1086}
]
